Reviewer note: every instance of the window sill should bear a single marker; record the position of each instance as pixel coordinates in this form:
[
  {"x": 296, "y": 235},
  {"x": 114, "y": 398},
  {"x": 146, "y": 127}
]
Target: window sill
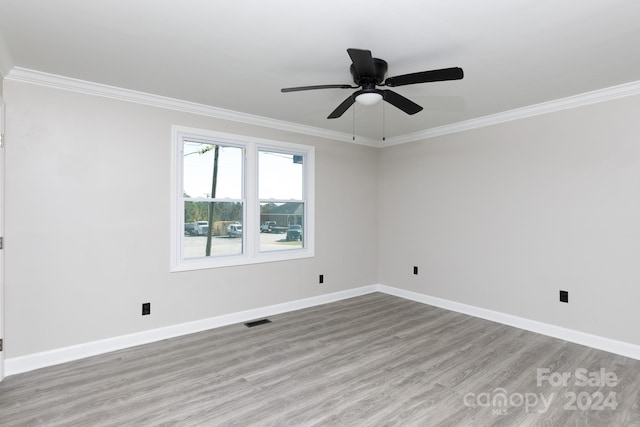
[{"x": 239, "y": 260}]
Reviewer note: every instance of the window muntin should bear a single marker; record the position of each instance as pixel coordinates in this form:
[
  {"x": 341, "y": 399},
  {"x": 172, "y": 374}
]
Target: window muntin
[{"x": 248, "y": 170}]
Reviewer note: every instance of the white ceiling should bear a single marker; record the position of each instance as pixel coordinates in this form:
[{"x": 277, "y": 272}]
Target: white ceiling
[{"x": 238, "y": 54}]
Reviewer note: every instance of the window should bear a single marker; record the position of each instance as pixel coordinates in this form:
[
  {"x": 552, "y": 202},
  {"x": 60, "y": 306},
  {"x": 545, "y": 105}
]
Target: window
[
  {"x": 239, "y": 200},
  {"x": 280, "y": 190}
]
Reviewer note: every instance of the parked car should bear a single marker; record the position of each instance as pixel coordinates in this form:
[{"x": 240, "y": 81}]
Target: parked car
[
  {"x": 266, "y": 227},
  {"x": 191, "y": 228},
  {"x": 203, "y": 228},
  {"x": 234, "y": 230},
  {"x": 272, "y": 227},
  {"x": 294, "y": 232}
]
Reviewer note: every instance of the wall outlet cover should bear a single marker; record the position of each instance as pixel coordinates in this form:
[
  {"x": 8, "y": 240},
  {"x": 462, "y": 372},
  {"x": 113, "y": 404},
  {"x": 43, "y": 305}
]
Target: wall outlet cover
[{"x": 564, "y": 296}]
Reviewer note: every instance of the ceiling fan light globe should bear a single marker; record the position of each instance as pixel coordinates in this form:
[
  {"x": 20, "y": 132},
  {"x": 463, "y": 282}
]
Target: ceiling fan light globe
[{"x": 370, "y": 98}]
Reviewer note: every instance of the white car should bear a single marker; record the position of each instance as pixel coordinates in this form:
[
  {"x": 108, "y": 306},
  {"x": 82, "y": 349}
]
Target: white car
[
  {"x": 203, "y": 228},
  {"x": 234, "y": 230}
]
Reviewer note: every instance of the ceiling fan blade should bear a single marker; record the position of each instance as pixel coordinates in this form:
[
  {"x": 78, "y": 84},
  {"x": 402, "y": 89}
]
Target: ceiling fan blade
[
  {"x": 296, "y": 89},
  {"x": 400, "y": 102},
  {"x": 454, "y": 73},
  {"x": 362, "y": 62},
  {"x": 342, "y": 107}
]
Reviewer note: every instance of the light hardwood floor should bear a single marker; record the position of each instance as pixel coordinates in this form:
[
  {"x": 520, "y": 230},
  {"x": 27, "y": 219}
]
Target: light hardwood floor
[{"x": 371, "y": 360}]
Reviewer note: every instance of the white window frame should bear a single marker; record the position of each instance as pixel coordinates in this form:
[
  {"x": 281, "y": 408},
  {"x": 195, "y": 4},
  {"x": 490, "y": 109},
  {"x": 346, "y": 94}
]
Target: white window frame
[{"x": 251, "y": 203}]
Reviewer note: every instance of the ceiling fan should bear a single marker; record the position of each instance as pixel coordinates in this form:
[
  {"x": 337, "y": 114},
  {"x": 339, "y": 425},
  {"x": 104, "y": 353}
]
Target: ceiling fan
[{"x": 369, "y": 72}]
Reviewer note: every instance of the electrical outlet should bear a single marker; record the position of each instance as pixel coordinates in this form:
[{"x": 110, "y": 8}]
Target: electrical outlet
[
  {"x": 415, "y": 270},
  {"x": 321, "y": 278},
  {"x": 564, "y": 296},
  {"x": 146, "y": 308}
]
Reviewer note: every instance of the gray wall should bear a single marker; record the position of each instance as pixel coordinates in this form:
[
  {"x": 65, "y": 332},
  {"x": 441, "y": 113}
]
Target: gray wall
[
  {"x": 87, "y": 223},
  {"x": 505, "y": 216},
  {"x": 500, "y": 218}
]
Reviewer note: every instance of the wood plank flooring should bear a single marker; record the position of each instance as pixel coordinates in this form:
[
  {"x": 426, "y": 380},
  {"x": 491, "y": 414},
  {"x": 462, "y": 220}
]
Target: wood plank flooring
[{"x": 374, "y": 360}]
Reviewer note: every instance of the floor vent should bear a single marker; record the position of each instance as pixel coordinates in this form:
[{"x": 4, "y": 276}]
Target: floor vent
[{"x": 257, "y": 323}]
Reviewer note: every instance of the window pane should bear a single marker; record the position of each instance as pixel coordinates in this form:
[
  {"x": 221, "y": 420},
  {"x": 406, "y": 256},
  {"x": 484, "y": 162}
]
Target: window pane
[
  {"x": 280, "y": 176},
  {"x": 224, "y": 238},
  {"x": 281, "y": 226},
  {"x": 198, "y": 171}
]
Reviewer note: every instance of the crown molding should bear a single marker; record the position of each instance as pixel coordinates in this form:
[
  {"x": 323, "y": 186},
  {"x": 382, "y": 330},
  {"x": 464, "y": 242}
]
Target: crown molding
[
  {"x": 596, "y": 96},
  {"x": 67, "y": 83}
]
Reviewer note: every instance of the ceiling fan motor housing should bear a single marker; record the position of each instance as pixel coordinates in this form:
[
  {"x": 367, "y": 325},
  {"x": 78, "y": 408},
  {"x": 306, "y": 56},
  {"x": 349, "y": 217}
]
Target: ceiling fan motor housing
[{"x": 380, "y": 68}]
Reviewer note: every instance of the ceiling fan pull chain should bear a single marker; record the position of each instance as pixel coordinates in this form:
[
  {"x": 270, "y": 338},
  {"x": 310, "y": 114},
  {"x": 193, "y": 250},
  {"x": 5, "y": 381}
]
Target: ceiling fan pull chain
[
  {"x": 353, "y": 126},
  {"x": 384, "y": 121}
]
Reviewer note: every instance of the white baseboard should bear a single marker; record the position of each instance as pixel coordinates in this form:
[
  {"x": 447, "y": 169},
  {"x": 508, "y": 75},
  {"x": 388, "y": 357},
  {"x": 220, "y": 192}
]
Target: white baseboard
[
  {"x": 30, "y": 362},
  {"x": 601, "y": 343}
]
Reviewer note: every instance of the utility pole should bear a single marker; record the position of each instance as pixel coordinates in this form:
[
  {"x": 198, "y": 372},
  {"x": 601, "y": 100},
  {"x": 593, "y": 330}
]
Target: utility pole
[{"x": 214, "y": 183}]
